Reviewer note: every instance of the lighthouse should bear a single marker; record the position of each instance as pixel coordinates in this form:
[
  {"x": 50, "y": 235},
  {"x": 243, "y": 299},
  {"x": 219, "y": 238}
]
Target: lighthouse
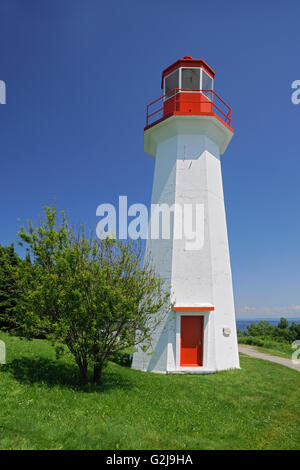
[{"x": 187, "y": 130}]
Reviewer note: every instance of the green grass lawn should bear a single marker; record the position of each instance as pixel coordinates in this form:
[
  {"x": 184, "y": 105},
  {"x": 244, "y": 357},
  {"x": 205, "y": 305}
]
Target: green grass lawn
[
  {"x": 43, "y": 407},
  {"x": 269, "y": 347},
  {"x": 271, "y": 351}
]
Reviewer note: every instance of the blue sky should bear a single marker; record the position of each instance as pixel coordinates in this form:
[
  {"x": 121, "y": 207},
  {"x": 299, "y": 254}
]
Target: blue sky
[{"x": 79, "y": 75}]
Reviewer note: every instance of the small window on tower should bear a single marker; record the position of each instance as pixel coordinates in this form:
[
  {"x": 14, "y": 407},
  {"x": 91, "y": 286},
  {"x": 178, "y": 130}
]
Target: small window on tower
[
  {"x": 191, "y": 79},
  {"x": 207, "y": 84},
  {"x": 171, "y": 82}
]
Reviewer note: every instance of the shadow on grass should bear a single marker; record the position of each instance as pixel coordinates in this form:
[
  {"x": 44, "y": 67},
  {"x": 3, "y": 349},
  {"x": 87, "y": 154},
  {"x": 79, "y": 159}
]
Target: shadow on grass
[{"x": 58, "y": 373}]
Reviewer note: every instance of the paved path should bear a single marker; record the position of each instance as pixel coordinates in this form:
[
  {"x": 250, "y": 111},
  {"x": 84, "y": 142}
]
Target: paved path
[{"x": 249, "y": 351}]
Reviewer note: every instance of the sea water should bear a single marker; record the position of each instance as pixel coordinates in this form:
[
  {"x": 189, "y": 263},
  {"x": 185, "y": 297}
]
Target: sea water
[{"x": 243, "y": 323}]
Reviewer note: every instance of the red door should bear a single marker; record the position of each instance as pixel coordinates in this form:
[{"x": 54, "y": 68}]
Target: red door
[{"x": 191, "y": 340}]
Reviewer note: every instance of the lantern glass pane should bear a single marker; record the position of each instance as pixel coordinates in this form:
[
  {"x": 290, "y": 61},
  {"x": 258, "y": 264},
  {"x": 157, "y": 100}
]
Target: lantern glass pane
[
  {"x": 171, "y": 82},
  {"x": 191, "y": 79},
  {"x": 207, "y": 84}
]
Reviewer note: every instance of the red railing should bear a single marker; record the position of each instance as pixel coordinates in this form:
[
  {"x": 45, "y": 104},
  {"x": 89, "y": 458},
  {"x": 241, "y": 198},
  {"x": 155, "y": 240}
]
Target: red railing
[{"x": 208, "y": 102}]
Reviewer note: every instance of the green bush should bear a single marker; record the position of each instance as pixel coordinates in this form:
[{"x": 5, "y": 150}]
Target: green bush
[
  {"x": 267, "y": 343},
  {"x": 252, "y": 340},
  {"x": 123, "y": 358},
  {"x": 282, "y": 333}
]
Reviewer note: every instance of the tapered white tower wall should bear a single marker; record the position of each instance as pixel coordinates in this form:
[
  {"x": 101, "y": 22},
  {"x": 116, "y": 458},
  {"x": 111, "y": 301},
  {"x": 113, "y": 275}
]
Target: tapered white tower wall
[{"x": 188, "y": 170}]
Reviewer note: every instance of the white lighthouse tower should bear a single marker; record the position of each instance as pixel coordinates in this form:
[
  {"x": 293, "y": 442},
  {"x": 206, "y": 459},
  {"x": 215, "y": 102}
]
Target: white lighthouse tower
[{"x": 187, "y": 130}]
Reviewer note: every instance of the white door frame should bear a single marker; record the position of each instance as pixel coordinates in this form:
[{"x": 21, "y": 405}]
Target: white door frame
[{"x": 196, "y": 313}]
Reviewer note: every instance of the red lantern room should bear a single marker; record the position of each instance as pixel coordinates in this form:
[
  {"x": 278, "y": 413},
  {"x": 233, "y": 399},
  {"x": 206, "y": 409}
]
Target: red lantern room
[{"x": 188, "y": 90}]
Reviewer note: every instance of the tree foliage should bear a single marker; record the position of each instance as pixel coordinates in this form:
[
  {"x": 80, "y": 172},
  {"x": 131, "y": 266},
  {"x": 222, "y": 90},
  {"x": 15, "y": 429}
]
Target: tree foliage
[
  {"x": 283, "y": 323},
  {"x": 91, "y": 295},
  {"x": 281, "y": 333}
]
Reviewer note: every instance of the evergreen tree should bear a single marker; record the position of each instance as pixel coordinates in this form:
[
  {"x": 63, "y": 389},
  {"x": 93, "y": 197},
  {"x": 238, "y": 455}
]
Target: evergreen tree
[
  {"x": 283, "y": 323},
  {"x": 9, "y": 264}
]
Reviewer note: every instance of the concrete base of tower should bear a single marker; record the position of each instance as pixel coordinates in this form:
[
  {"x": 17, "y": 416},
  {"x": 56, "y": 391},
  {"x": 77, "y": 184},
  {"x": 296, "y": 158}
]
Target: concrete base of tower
[
  {"x": 196, "y": 370},
  {"x": 219, "y": 345},
  {"x": 192, "y": 370},
  {"x": 188, "y": 370},
  {"x": 183, "y": 370}
]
